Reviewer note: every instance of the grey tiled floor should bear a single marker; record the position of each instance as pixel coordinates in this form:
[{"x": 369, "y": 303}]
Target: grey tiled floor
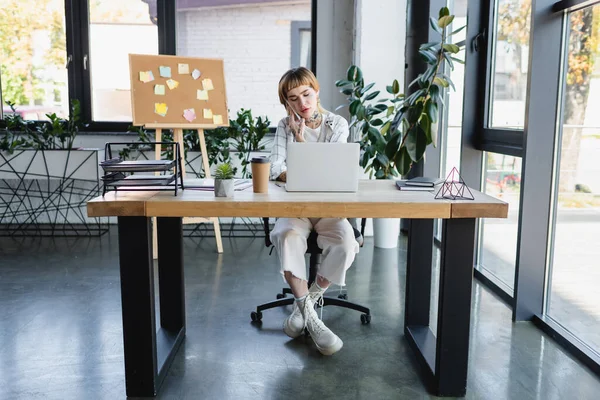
[{"x": 60, "y": 332}]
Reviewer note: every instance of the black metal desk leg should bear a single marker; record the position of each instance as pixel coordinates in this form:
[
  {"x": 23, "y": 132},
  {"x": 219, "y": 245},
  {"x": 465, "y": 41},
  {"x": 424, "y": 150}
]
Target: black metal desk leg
[
  {"x": 137, "y": 299},
  {"x": 170, "y": 273},
  {"x": 418, "y": 272},
  {"x": 454, "y": 310}
]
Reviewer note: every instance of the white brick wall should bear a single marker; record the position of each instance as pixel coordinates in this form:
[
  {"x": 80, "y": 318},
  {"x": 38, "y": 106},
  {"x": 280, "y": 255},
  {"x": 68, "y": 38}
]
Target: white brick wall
[{"x": 255, "y": 44}]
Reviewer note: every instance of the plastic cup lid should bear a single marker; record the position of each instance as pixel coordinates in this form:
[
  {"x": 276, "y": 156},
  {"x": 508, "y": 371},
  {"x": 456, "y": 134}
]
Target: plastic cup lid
[{"x": 260, "y": 160}]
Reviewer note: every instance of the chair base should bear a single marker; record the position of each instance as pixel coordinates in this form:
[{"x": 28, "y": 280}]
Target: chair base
[{"x": 365, "y": 318}]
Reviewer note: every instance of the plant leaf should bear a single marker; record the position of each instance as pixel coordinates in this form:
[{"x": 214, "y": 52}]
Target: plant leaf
[
  {"x": 351, "y": 73},
  {"x": 429, "y": 45},
  {"x": 384, "y": 129},
  {"x": 451, "y": 48},
  {"x": 395, "y": 87},
  {"x": 440, "y": 82},
  {"x": 446, "y": 20},
  {"x": 432, "y": 111},
  {"x": 444, "y": 11},
  {"x": 391, "y": 148},
  {"x": 428, "y": 56},
  {"x": 366, "y": 88},
  {"x": 380, "y": 107},
  {"x": 457, "y": 30},
  {"x": 353, "y": 107},
  {"x": 371, "y": 96},
  {"x": 403, "y": 161},
  {"x": 416, "y": 143},
  {"x": 434, "y": 25},
  {"x": 425, "y": 124},
  {"x": 342, "y": 82}
]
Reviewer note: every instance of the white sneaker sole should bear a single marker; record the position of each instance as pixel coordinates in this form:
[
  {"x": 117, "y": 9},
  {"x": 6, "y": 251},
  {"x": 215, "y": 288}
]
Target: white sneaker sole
[
  {"x": 289, "y": 331},
  {"x": 334, "y": 348}
]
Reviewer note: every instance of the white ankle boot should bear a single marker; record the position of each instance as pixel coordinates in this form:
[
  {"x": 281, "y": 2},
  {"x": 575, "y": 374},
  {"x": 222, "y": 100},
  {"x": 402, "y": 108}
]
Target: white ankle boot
[
  {"x": 326, "y": 341},
  {"x": 294, "y": 324}
]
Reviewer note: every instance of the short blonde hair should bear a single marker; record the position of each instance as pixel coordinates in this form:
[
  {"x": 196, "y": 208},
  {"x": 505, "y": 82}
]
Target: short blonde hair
[{"x": 297, "y": 77}]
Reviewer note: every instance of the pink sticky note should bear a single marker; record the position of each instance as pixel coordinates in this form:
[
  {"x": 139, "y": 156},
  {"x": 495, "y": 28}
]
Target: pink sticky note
[{"x": 189, "y": 114}]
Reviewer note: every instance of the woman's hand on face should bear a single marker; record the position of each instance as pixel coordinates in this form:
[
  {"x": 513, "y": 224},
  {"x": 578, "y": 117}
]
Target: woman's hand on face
[{"x": 297, "y": 126}]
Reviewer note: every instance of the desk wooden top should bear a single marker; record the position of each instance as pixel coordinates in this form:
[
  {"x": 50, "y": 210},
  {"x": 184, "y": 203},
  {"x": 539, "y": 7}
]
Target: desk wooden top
[{"x": 374, "y": 199}]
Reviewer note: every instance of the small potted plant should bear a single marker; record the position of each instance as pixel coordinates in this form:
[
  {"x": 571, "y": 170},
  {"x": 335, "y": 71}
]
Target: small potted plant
[{"x": 224, "y": 180}]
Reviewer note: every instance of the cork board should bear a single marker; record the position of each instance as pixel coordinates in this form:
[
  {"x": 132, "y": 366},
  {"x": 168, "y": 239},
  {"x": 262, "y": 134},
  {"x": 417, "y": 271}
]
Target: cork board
[{"x": 182, "y": 99}]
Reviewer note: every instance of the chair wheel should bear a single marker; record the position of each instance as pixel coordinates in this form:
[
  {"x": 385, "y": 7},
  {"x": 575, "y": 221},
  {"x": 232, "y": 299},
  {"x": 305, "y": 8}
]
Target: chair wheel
[
  {"x": 257, "y": 316},
  {"x": 365, "y": 319},
  {"x": 280, "y": 296},
  {"x": 343, "y": 296}
]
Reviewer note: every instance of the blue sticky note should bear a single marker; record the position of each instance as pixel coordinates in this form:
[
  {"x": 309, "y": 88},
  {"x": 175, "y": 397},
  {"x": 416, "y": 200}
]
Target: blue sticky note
[{"x": 165, "y": 72}]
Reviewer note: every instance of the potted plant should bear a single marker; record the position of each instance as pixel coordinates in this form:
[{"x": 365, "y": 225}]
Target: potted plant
[
  {"x": 394, "y": 133},
  {"x": 45, "y": 181},
  {"x": 224, "y": 180}
]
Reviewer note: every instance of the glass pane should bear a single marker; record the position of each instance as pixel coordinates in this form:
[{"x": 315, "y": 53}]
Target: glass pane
[
  {"x": 509, "y": 63},
  {"x": 117, "y": 28},
  {"x": 498, "y": 242},
  {"x": 254, "y": 40},
  {"x": 453, "y": 139},
  {"x": 574, "y": 294},
  {"x": 305, "y": 44},
  {"x": 33, "y": 58}
]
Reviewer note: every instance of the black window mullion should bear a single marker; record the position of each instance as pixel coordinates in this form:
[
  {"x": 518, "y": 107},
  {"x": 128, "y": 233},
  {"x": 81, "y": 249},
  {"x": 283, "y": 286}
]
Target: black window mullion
[
  {"x": 503, "y": 141},
  {"x": 167, "y": 27},
  {"x": 572, "y": 5},
  {"x": 77, "y": 43}
]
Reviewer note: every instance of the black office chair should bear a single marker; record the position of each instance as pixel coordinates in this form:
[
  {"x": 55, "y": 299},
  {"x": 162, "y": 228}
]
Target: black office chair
[{"x": 315, "y": 259}]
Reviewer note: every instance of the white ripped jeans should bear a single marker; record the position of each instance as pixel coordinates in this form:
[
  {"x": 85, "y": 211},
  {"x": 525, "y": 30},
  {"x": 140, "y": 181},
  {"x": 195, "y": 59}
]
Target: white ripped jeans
[{"x": 335, "y": 238}]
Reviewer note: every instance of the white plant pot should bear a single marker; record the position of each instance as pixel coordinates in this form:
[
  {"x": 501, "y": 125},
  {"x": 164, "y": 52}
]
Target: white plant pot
[
  {"x": 386, "y": 232},
  {"x": 223, "y": 187}
]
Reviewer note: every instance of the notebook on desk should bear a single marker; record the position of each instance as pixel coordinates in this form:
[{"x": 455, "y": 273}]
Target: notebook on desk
[{"x": 322, "y": 167}]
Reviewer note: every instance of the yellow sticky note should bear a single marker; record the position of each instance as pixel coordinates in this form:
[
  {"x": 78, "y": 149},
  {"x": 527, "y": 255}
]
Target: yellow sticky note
[
  {"x": 208, "y": 113},
  {"x": 217, "y": 119},
  {"x": 207, "y": 84},
  {"x": 159, "y": 90},
  {"x": 172, "y": 83},
  {"x": 202, "y": 95},
  {"x": 161, "y": 109},
  {"x": 183, "y": 68}
]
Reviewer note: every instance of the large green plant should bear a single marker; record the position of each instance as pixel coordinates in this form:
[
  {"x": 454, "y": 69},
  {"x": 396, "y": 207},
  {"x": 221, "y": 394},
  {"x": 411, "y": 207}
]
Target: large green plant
[
  {"x": 247, "y": 135},
  {"x": 396, "y": 131}
]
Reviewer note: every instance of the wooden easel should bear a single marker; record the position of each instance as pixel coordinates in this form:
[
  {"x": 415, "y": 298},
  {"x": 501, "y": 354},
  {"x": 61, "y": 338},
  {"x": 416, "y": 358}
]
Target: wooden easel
[
  {"x": 178, "y": 137},
  {"x": 178, "y": 84}
]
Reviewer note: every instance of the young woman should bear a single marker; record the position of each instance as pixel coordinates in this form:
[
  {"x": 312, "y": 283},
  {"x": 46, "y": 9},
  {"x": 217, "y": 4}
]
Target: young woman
[{"x": 307, "y": 121}]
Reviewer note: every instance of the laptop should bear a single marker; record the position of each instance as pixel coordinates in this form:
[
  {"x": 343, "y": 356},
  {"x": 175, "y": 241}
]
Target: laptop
[{"x": 322, "y": 167}]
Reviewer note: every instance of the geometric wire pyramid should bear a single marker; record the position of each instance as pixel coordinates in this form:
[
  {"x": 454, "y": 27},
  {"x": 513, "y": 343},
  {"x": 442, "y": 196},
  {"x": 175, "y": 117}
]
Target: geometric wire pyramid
[{"x": 454, "y": 187}]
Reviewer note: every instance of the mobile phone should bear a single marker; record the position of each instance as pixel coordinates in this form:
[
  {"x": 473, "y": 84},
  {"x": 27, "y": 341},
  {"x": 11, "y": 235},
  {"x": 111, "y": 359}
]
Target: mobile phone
[{"x": 294, "y": 111}]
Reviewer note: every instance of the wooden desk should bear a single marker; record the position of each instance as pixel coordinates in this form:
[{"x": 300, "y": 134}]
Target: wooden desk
[{"x": 148, "y": 354}]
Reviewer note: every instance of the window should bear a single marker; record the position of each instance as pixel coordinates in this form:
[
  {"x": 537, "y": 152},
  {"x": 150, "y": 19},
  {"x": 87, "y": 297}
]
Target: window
[
  {"x": 255, "y": 42},
  {"x": 33, "y": 54},
  {"x": 117, "y": 28},
  {"x": 301, "y": 44},
  {"x": 498, "y": 237},
  {"x": 510, "y": 50},
  {"x": 573, "y": 298}
]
